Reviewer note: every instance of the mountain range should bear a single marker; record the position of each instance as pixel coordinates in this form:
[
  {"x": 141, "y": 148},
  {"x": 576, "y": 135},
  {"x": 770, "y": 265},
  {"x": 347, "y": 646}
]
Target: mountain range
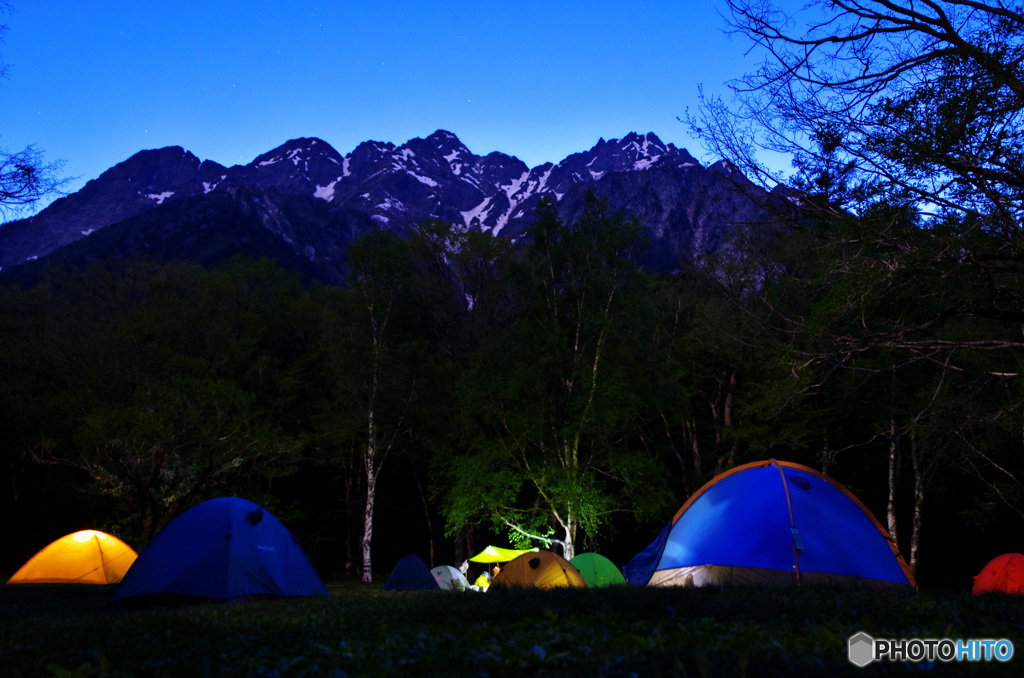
[{"x": 303, "y": 203}]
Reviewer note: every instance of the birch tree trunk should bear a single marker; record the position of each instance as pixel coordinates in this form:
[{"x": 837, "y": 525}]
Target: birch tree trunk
[
  {"x": 919, "y": 480},
  {"x": 371, "y": 491},
  {"x": 893, "y": 472},
  {"x": 570, "y": 537},
  {"x": 370, "y": 464}
]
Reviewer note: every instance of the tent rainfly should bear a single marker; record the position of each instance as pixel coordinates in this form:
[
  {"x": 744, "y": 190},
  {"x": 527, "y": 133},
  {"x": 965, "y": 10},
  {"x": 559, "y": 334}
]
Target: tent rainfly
[
  {"x": 771, "y": 522},
  {"x": 83, "y": 557},
  {"x": 222, "y": 549},
  {"x": 539, "y": 569},
  {"x": 1004, "y": 574},
  {"x": 496, "y": 554}
]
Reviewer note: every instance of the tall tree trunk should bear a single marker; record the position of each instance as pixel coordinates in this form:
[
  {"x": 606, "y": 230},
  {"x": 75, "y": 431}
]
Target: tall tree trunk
[
  {"x": 691, "y": 430},
  {"x": 672, "y": 444},
  {"x": 369, "y": 463},
  {"x": 726, "y": 461},
  {"x": 569, "y": 548},
  {"x": 461, "y": 546},
  {"x": 890, "y": 511},
  {"x": 371, "y": 491},
  {"x": 426, "y": 515},
  {"x": 919, "y": 480}
]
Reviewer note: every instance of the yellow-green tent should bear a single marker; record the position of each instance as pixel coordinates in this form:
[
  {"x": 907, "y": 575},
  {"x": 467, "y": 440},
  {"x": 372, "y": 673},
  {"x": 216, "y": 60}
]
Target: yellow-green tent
[
  {"x": 495, "y": 554},
  {"x": 542, "y": 570},
  {"x": 84, "y": 557}
]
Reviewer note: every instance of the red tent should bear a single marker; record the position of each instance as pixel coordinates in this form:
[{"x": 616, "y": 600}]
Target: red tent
[{"x": 1003, "y": 573}]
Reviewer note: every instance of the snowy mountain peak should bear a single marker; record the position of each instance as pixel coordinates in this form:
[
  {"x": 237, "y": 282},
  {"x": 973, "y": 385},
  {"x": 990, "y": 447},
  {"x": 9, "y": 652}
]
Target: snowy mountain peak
[
  {"x": 443, "y": 139},
  {"x": 373, "y": 148},
  {"x": 381, "y": 185},
  {"x": 298, "y": 152},
  {"x": 647, "y": 147},
  {"x": 632, "y": 152},
  {"x": 455, "y": 154}
]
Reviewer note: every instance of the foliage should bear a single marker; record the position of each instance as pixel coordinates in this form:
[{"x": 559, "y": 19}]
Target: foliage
[
  {"x": 918, "y": 101},
  {"x": 554, "y": 397},
  {"x": 555, "y": 390},
  {"x": 161, "y": 384},
  {"x": 903, "y": 121}
]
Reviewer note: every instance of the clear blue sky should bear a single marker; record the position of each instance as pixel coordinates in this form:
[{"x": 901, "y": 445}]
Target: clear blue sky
[{"x": 94, "y": 82}]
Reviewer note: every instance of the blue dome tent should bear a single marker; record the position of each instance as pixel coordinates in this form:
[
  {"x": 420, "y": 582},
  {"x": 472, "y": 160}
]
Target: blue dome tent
[
  {"x": 222, "y": 549},
  {"x": 411, "y": 574},
  {"x": 771, "y": 522}
]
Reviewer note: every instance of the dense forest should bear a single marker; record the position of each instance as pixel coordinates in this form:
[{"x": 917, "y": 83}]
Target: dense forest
[{"x": 460, "y": 391}]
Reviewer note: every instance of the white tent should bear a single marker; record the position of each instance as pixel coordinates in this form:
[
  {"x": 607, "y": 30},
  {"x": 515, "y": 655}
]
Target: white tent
[{"x": 450, "y": 579}]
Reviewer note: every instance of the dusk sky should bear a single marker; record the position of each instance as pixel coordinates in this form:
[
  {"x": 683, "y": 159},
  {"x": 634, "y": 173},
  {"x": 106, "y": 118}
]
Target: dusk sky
[{"x": 94, "y": 82}]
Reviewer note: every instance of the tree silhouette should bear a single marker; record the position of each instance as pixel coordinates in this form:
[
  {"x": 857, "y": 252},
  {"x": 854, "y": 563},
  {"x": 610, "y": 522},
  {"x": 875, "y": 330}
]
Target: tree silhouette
[{"x": 25, "y": 177}]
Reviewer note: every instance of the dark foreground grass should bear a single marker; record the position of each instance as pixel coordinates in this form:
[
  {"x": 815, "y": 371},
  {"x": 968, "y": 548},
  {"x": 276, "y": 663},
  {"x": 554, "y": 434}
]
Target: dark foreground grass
[{"x": 362, "y": 631}]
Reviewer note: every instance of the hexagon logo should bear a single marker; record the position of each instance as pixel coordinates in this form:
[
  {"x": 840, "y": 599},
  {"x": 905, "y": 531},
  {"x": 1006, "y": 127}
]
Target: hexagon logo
[{"x": 861, "y": 649}]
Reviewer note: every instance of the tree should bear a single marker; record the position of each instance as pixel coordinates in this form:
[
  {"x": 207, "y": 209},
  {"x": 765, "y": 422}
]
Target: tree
[
  {"x": 176, "y": 443},
  {"x": 556, "y": 396},
  {"x": 915, "y": 107},
  {"x": 903, "y": 120},
  {"x": 161, "y": 384},
  {"x": 925, "y": 97},
  {"x": 462, "y": 279},
  {"x": 25, "y": 177},
  {"x": 386, "y": 358}
]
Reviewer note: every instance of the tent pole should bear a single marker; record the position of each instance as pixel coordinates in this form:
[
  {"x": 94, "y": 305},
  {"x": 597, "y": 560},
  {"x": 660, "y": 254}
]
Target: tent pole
[{"x": 789, "y": 507}]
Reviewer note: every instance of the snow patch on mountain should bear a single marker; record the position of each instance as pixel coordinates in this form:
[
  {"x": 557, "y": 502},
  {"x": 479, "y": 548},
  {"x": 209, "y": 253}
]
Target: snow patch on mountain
[
  {"x": 391, "y": 205},
  {"x": 516, "y": 185},
  {"x": 645, "y": 163},
  {"x": 424, "y": 180},
  {"x": 479, "y": 213},
  {"x": 326, "y": 192},
  {"x": 454, "y": 160}
]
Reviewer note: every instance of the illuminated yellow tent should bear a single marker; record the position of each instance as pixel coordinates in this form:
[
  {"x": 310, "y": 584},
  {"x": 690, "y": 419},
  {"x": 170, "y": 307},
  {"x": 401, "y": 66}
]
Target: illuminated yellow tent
[
  {"x": 540, "y": 569},
  {"x": 84, "y": 557}
]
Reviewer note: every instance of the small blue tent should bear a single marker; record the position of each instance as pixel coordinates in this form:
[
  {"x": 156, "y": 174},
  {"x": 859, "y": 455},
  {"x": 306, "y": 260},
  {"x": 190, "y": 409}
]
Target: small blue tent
[
  {"x": 411, "y": 574},
  {"x": 771, "y": 522},
  {"x": 223, "y": 548}
]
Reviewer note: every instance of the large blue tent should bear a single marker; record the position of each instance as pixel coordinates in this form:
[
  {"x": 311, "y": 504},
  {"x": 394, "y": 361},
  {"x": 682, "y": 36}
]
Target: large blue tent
[
  {"x": 771, "y": 522},
  {"x": 222, "y": 549}
]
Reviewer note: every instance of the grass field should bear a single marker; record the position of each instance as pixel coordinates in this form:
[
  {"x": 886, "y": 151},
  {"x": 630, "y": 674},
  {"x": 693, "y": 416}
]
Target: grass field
[{"x": 362, "y": 631}]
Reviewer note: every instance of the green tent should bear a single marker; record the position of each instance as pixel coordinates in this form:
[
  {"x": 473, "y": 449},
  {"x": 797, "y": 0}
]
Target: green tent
[
  {"x": 597, "y": 570},
  {"x": 494, "y": 554}
]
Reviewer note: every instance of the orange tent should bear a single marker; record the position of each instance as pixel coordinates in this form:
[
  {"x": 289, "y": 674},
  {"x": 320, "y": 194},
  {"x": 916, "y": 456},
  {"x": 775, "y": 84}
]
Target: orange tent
[
  {"x": 539, "y": 569},
  {"x": 84, "y": 557},
  {"x": 1003, "y": 573}
]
